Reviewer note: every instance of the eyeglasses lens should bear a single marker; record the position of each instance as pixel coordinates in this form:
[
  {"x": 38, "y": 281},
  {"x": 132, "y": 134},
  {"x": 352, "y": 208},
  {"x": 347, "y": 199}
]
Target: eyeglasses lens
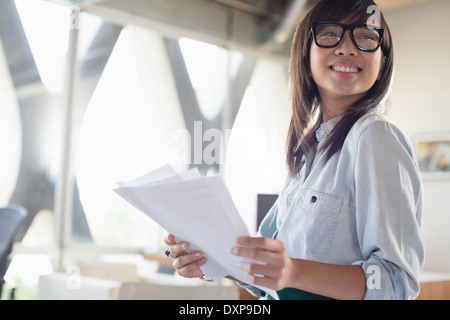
[
  {"x": 329, "y": 35},
  {"x": 366, "y": 38}
]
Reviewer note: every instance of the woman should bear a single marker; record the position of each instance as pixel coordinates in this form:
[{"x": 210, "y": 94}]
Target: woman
[{"x": 347, "y": 222}]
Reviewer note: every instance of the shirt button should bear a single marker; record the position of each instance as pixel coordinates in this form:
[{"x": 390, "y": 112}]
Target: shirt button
[{"x": 313, "y": 199}]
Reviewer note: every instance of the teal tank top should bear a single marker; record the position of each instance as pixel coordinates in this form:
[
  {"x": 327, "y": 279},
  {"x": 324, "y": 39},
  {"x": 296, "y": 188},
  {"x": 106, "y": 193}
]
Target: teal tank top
[{"x": 296, "y": 294}]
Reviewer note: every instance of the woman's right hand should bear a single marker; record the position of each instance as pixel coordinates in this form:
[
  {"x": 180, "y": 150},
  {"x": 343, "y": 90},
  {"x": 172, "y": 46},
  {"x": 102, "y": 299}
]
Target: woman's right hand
[{"x": 187, "y": 264}]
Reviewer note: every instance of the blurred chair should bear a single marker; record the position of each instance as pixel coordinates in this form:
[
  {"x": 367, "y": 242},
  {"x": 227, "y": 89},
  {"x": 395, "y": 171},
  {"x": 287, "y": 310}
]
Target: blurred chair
[
  {"x": 11, "y": 218},
  {"x": 154, "y": 291}
]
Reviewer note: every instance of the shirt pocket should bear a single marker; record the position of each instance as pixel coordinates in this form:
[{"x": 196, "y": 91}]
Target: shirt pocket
[{"x": 309, "y": 227}]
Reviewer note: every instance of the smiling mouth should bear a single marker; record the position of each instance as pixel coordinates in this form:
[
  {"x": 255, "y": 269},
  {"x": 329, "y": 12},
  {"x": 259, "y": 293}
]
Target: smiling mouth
[{"x": 345, "y": 69}]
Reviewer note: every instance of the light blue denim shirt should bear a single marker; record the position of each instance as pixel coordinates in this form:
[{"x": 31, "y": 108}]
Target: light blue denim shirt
[{"x": 363, "y": 207}]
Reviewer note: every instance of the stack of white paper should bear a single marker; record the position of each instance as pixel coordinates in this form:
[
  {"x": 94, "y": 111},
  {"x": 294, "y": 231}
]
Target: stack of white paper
[{"x": 195, "y": 209}]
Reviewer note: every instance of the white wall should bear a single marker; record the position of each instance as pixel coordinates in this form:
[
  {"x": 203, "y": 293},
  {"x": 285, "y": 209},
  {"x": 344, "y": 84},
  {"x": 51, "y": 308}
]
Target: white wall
[{"x": 420, "y": 103}]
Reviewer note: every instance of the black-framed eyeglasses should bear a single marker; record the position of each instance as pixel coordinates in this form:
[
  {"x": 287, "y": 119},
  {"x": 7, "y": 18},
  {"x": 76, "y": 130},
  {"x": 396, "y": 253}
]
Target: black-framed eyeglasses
[{"x": 329, "y": 35}]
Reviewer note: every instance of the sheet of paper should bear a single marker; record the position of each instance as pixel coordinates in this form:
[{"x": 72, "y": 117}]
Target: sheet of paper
[{"x": 196, "y": 209}]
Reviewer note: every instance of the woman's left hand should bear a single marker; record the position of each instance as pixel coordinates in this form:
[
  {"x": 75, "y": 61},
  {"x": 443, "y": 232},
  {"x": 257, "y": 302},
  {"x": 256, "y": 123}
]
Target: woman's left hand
[{"x": 276, "y": 269}]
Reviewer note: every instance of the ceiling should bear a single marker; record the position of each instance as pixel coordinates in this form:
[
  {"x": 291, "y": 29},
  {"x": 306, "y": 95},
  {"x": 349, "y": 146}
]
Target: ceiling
[{"x": 261, "y": 27}]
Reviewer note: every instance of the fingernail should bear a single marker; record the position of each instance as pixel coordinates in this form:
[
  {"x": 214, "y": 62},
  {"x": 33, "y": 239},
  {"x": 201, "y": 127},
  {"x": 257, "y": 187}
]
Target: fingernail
[
  {"x": 233, "y": 250},
  {"x": 184, "y": 246},
  {"x": 243, "y": 265},
  {"x": 198, "y": 254}
]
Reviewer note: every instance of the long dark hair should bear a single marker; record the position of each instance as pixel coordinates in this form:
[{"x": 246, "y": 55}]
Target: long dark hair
[{"x": 305, "y": 98}]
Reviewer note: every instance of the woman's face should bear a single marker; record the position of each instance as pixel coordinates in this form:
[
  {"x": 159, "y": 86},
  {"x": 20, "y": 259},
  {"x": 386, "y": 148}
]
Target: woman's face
[{"x": 344, "y": 71}]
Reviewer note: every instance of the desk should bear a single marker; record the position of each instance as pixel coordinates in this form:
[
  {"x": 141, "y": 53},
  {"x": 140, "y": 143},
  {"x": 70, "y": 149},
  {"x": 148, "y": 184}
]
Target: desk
[
  {"x": 434, "y": 286},
  {"x": 161, "y": 259}
]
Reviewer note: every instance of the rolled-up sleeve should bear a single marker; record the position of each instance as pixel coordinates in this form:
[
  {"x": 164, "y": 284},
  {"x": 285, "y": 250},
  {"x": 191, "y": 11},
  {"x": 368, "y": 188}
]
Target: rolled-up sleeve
[{"x": 388, "y": 213}]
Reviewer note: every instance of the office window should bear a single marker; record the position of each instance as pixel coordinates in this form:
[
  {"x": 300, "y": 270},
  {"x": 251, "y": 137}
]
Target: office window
[
  {"x": 46, "y": 26},
  {"x": 126, "y": 131},
  {"x": 35, "y": 55},
  {"x": 129, "y": 108},
  {"x": 255, "y": 160},
  {"x": 210, "y": 69},
  {"x": 30, "y": 128},
  {"x": 10, "y": 133}
]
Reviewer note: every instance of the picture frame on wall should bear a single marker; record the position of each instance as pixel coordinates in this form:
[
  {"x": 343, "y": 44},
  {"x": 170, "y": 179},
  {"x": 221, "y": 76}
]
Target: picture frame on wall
[{"x": 433, "y": 154}]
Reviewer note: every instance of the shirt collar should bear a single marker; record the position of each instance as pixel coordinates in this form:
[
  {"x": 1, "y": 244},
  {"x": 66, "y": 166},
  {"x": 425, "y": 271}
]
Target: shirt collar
[{"x": 326, "y": 127}]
